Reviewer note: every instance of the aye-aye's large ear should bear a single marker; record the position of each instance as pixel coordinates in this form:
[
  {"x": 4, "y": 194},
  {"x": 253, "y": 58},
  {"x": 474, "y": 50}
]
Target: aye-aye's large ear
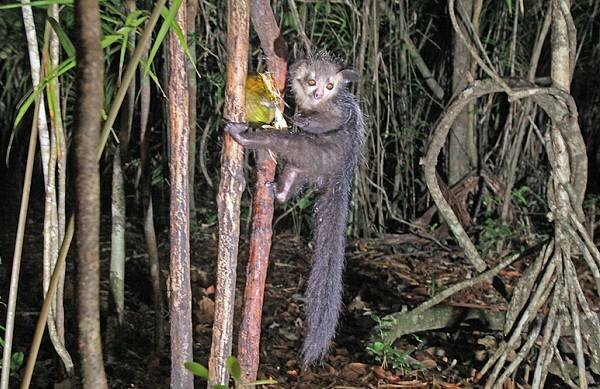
[
  {"x": 349, "y": 75},
  {"x": 296, "y": 66}
]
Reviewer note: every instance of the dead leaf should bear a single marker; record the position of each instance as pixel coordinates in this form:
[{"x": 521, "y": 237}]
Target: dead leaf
[
  {"x": 429, "y": 364},
  {"x": 362, "y": 246},
  {"x": 355, "y": 370},
  {"x": 293, "y": 373},
  {"x": 379, "y": 372},
  {"x": 410, "y": 384}
]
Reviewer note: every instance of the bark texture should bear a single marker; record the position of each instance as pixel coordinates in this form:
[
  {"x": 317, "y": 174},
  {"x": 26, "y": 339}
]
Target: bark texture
[
  {"x": 90, "y": 86},
  {"x": 230, "y": 191},
  {"x": 275, "y": 51},
  {"x": 458, "y": 156},
  {"x": 180, "y": 302}
]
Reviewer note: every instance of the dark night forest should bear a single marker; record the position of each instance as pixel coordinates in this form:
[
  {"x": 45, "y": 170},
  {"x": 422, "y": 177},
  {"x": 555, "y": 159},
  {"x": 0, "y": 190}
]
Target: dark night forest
[{"x": 299, "y": 194}]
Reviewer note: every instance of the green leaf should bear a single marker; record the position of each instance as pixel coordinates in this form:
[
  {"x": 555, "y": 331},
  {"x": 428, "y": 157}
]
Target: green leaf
[
  {"x": 109, "y": 40},
  {"x": 164, "y": 28},
  {"x": 16, "y": 361},
  {"x": 58, "y": 71},
  {"x": 234, "y": 368},
  {"x": 304, "y": 202},
  {"x": 64, "y": 40},
  {"x": 377, "y": 347},
  {"x": 219, "y": 387},
  {"x": 123, "y": 51},
  {"x": 197, "y": 369},
  {"x": 180, "y": 38},
  {"x": 153, "y": 77},
  {"x": 136, "y": 18}
]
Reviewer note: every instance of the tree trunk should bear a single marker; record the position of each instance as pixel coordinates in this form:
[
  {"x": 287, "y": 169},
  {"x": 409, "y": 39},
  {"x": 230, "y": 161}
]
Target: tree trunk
[
  {"x": 192, "y": 11},
  {"x": 90, "y": 86},
  {"x": 180, "y": 304},
  {"x": 230, "y": 192},
  {"x": 275, "y": 50},
  {"x": 462, "y": 130}
]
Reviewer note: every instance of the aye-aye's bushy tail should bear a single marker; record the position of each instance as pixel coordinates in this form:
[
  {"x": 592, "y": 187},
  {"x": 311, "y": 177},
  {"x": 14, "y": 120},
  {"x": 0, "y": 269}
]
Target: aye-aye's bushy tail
[{"x": 324, "y": 290}]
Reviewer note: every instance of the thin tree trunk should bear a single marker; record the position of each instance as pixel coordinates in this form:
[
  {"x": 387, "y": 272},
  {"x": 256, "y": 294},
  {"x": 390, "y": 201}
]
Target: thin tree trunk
[
  {"x": 90, "y": 86},
  {"x": 192, "y": 11},
  {"x": 181, "y": 294},
  {"x": 61, "y": 163},
  {"x": 118, "y": 203},
  {"x": 34, "y": 61},
  {"x": 52, "y": 233},
  {"x": 51, "y": 240},
  {"x": 150, "y": 234},
  {"x": 459, "y": 163},
  {"x": 275, "y": 51},
  {"x": 117, "y": 238},
  {"x": 230, "y": 191},
  {"x": 146, "y": 193},
  {"x": 127, "y": 110}
]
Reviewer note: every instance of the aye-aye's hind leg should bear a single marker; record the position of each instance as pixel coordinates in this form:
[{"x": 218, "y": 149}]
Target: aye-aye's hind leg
[{"x": 288, "y": 185}]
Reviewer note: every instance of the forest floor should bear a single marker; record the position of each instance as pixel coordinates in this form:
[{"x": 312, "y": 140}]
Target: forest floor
[{"x": 382, "y": 276}]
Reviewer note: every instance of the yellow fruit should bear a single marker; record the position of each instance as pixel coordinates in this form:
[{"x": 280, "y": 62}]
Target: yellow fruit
[{"x": 260, "y": 101}]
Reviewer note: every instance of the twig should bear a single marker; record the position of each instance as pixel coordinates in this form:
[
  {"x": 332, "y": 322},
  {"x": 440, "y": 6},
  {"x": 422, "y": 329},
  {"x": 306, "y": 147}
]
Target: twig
[
  {"x": 431, "y": 82},
  {"x": 446, "y": 293}
]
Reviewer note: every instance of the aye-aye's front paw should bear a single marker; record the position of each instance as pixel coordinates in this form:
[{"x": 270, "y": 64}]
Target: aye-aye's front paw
[
  {"x": 301, "y": 121},
  {"x": 235, "y": 128}
]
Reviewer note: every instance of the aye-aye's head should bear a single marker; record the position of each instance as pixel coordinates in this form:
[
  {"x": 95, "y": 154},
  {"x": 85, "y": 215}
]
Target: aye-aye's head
[{"x": 317, "y": 78}]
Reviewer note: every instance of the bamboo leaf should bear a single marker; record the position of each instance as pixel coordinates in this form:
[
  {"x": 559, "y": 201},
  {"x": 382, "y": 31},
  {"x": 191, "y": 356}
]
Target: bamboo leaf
[
  {"x": 63, "y": 38},
  {"x": 164, "y": 28},
  {"x": 60, "y": 70},
  {"x": 109, "y": 40},
  {"x": 149, "y": 72},
  {"x": 182, "y": 41},
  {"x": 123, "y": 51},
  {"x": 136, "y": 18}
]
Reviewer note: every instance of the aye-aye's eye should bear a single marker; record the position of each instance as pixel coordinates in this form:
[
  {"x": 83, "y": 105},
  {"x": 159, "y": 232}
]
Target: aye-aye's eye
[
  {"x": 329, "y": 86},
  {"x": 312, "y": 82}
]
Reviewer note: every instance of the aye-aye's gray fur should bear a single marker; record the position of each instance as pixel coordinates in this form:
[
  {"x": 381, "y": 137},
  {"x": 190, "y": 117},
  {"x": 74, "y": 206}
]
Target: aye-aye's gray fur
[{"x": 323, "y": 156}]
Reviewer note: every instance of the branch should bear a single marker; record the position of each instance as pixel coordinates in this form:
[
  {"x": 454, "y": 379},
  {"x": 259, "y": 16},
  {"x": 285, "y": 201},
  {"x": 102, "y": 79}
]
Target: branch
[{"x": 275, "y": 51}]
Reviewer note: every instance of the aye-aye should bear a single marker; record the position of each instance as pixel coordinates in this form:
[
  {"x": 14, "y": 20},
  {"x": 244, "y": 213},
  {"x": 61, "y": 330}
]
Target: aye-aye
[{"x": 322, "y": 156}]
